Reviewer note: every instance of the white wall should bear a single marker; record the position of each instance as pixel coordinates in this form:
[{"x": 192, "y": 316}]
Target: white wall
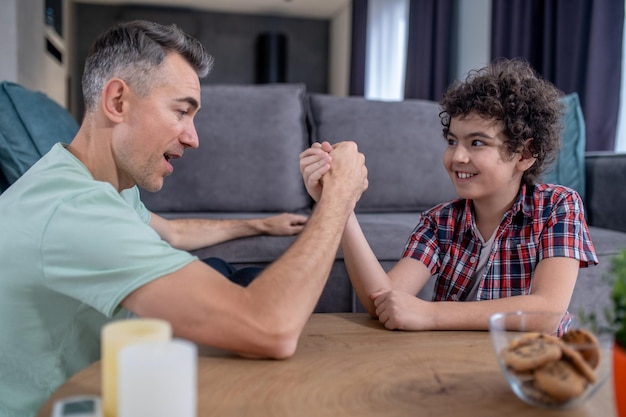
[
  {"x": 31, "y": 44},
  {"x": 23, "y": 49},
  {"x": 340, "y": 40},
  {"x": 8, "y": 40}
]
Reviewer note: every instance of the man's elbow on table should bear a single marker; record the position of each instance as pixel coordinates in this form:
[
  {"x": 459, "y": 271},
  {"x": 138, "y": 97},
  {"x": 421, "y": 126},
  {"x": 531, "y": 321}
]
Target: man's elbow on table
[
  {"x": 254, "y": 334},
  {"x": 285, "y": 347},
  {"x": 279, "y": 339},
  {"x": 280, "y": 350},
  {"x": 270, "y": 346}
]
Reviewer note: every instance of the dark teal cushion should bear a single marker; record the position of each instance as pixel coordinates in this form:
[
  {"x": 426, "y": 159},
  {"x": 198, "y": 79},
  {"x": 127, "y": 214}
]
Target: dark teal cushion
[
  {"x": 4, "y": 184},
  {"x": 569, "y": 168},
  {"x": 30, "y": 124}
]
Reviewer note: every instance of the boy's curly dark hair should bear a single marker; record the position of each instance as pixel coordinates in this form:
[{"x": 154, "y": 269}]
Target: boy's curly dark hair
[{"x": 510, "y": 91}]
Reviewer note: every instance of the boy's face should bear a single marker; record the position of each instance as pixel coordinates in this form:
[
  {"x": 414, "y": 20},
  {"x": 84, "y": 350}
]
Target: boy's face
[{"x": 477, "y": 163}]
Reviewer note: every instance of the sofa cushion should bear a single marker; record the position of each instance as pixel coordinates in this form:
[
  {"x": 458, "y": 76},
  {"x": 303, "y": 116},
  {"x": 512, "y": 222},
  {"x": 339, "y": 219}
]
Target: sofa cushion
[
  {"x": 30, "y": 123},
  {"x": 250, "y": 138},
  {"x": 593, "y": 285},
  {"x": 569, "y": 168},
  {"x": 605, "y": 176},
  {"x": 403, "y": 147}
]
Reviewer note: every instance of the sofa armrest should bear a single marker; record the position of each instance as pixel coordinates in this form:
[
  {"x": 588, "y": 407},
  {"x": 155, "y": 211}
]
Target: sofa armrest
[{"x": 605, "y": 198}]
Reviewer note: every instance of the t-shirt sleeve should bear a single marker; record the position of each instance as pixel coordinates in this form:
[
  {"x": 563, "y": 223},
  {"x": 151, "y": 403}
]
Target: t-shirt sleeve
[
  {"x": 133, "y": 199},
  {"x": 98, "y": 249},
  {"x": 423, "y": 243}
]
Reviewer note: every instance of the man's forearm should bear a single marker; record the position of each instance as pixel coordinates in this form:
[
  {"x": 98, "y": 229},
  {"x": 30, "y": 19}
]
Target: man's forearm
[
  {"x": 192, "y": 234},
  {"x": 290, "y": 287}
]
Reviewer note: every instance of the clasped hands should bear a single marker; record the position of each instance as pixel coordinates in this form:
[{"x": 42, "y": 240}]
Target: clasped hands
[{"x": 339, "y": 168}]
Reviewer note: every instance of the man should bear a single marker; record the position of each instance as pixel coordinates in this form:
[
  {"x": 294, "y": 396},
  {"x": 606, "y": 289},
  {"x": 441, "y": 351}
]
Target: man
[{"x": 79, "y": 245}]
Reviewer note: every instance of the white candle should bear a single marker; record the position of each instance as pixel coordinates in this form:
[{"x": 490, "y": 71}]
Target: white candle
[
  {"x": 115, "y": 336},
  {"x": 158, "y": 379}
]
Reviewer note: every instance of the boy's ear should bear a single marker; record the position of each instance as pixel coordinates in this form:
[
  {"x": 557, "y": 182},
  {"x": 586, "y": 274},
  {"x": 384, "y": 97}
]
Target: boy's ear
[{"x": 526, "y": 157}]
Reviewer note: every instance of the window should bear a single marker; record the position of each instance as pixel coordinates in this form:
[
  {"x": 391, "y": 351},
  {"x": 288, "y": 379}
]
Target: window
[{"x": 386, "y": 49}]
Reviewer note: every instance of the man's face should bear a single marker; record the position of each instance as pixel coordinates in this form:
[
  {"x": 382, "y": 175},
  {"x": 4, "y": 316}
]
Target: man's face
[{"x": 158, "y": 127}]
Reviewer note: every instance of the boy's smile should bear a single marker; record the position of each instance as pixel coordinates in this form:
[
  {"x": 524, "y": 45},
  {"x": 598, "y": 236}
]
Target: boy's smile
[{"x": 464, "y": 175}]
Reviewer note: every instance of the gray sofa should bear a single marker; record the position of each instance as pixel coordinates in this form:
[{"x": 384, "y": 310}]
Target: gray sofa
[{"x": 247, "y": 166}]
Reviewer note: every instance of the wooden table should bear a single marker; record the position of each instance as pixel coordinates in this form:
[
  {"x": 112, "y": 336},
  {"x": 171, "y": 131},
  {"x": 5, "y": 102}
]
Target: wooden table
[{"x": 349, "y": 365}]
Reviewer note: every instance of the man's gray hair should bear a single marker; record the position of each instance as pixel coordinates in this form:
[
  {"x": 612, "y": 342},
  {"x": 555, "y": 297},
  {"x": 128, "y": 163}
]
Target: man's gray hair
[{"x": 133, "y": 51}]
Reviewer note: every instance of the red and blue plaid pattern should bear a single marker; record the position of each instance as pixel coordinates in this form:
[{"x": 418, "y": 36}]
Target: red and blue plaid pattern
[{"x": 545, "y": 221}]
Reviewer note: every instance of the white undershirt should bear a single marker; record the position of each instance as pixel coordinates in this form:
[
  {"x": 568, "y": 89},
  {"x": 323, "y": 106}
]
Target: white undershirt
[{"x": 482, "y": 263}]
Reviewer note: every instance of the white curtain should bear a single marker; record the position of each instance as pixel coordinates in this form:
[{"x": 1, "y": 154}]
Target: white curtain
[{"x": 386, "y": 49}]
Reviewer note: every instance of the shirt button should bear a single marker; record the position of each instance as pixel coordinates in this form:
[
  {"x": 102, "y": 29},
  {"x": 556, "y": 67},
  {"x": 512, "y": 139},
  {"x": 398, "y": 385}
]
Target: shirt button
[{"x": 473, "y": 259}]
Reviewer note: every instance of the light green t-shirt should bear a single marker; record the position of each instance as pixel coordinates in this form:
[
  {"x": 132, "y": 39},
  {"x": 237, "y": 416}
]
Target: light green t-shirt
[{"x": 72, "y": 249}]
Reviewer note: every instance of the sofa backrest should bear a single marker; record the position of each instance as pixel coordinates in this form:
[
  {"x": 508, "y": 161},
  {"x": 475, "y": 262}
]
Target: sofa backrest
[
  {"x": 250, "y": 138},
  {"x": 403, "y": 146},
  {"x": 251, "y": 135}
]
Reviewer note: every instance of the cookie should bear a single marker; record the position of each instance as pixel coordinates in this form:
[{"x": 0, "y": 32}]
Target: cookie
[
  {"x": 573, "y": 356},
  {"x": 534, "y": 393},
  {"x": 532, "y": 337},
  {"x": 560, "y": 380},
  {"x": 586, "y": 343},
  {"x": 532, "y": 355}
]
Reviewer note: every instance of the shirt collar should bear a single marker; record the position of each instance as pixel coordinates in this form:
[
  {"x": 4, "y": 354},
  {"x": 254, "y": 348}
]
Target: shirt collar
[{"x": 523, "y": 203}]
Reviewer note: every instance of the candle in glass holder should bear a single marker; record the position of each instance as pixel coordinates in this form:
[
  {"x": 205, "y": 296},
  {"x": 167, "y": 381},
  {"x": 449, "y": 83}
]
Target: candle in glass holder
[
  {"x": 115, "y": 336},
  {"x": 158, "y": 379}
]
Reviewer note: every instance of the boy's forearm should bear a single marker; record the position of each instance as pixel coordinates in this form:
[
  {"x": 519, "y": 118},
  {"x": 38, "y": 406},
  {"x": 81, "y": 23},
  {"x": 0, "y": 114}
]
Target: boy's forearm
[
  {"x": 474, "y": 315},
  {"x": 364, "y": 269}
]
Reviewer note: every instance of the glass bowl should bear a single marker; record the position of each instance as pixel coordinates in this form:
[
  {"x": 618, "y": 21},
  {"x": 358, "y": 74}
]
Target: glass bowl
[{"x": 523, "y": 369}]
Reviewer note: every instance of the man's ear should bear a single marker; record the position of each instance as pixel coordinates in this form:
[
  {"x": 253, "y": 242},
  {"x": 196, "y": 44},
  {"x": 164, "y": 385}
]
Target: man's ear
[
  {"x": 114, "y": 95},
  {"x": 526, "y": 157}
]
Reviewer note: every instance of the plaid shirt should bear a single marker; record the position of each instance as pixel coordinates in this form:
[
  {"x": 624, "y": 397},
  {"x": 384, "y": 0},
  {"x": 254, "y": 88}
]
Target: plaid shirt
[{"x": 545, "y": 221}]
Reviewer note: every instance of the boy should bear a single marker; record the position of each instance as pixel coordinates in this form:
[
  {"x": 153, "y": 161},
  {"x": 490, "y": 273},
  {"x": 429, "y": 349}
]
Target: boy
[{"x": 508, "y": 243}]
